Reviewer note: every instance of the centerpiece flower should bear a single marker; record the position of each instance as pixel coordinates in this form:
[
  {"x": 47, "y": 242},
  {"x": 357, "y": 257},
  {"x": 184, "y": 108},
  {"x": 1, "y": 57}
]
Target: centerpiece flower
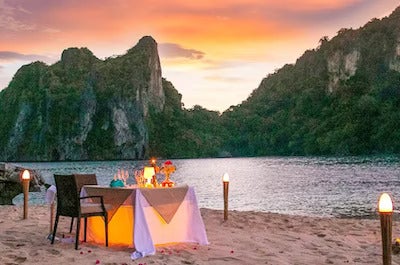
[
  {"x": 120, "y": 178},
  {"x": 167, "y": 169}
]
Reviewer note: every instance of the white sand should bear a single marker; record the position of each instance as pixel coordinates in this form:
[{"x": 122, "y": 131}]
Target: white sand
[{"x": 246, "y": 238}]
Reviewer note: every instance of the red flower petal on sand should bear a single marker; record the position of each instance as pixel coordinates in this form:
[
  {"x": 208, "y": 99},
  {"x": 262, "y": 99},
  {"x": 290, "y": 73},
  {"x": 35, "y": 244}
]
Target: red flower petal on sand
[
  {"x": 232, "y": 251},
  {"x": 81, "y": 252},
  {"x": 89, "y": 251},
  {"x": 168, "y": 162},
  {"x": 97, "y": 261},
  {"x": 195, "y": 248}
]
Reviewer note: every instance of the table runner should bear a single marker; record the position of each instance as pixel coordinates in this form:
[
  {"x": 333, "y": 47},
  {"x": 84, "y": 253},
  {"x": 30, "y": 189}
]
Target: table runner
[
  {"x": 165, "y": 201},
  {"x": 114, "y": 197}
]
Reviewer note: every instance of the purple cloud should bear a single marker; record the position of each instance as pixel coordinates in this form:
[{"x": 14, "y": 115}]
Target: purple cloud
[
  {"x": 172, "y": 50},
  {"x": 11, "y": 14},
  {"x": 11, "y": 56}
]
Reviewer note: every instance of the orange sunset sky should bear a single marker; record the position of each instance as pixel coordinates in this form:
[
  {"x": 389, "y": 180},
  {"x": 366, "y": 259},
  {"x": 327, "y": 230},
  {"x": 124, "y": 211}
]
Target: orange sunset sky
[{"x": 214, "y": 52}]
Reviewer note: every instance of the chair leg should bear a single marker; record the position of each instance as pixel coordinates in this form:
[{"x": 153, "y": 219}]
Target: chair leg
[
  {"x": 78, "y": 225},
  {"x": 106, "y": 227},
  {"x": 84, "y": 235},
  {"x": 55, "y": 229},
  {"x": 72, "y": 224}
]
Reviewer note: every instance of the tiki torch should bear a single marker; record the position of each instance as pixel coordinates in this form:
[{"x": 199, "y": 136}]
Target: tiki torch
[
  {"x": 385, "y": 209},
  {"x": 25, "y": 178},
  {"x": 225, "y": 181}
]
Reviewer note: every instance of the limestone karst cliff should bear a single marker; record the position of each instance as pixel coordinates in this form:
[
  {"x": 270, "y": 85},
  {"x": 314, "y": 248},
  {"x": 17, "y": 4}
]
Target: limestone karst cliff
[
  {"x": 82, "y": 107},
  {"x": 341, "y": 98}
]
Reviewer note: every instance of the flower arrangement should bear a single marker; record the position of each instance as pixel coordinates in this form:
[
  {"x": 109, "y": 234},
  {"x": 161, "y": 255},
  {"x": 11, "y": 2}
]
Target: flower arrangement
[
  {"x": 167, "y": 169},
  {"x": 120, "y": 179},
  {"x": 139, "y": 177}
]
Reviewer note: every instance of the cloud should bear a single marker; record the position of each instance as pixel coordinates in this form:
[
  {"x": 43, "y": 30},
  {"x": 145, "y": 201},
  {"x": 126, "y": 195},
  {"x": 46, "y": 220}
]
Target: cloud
[
  {"x": 9, "y": 20},
  {"x": 173, "y": 50},
  {"x": 51, "y": 30},
  {"x": 227, "y": 79},
  {"x": 12, "y": 24},
  {"x": 11, "y": 56}
]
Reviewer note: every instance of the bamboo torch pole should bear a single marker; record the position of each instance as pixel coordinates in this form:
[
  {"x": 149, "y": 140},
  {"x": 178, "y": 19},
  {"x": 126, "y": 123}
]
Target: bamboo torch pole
[
  {"x": 225, "y": 181},
  {"x": 25, "y": 178},
  {"x": 386, "y": 211}
]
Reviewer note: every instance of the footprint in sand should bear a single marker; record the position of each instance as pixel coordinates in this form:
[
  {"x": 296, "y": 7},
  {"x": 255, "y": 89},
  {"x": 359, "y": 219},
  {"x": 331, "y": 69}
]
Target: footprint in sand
[
  {"x": 53, "y": 251},
  {"x": 224, "y": 259},
  {"x": 16, "y": 258},
  {"x": 187, "y": 262}
]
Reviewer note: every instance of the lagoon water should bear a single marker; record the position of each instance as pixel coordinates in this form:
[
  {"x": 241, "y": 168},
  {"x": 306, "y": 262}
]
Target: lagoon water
[{"x": 311, "y": 186}]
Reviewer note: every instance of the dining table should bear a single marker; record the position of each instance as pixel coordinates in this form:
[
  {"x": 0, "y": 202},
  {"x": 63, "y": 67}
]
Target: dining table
[{"x": 142, "y": 218}]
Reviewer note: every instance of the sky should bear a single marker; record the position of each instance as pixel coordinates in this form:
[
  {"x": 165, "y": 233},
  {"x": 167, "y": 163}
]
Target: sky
[{"x": 215, "y": 52}]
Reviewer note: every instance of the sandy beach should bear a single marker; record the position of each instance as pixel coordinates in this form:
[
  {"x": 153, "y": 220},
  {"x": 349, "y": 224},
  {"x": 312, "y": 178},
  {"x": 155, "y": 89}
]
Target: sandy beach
[{"x": 246, "y": 238}]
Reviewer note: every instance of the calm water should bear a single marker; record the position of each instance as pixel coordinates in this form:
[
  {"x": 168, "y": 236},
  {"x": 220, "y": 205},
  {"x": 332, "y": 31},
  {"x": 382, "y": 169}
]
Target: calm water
[{"x": 340, "y": 187}]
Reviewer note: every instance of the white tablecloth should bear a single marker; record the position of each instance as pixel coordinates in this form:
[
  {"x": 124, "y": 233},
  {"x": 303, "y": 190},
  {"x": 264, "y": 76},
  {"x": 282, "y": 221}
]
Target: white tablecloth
[
  {"x": 149, "y": 229},
  {"x": 51, "y": 194}
]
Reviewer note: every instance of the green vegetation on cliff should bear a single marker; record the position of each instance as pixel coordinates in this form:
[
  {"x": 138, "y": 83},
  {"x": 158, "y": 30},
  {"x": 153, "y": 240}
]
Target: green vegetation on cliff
[
  {"x": 340, "y": 99},
  {"x": 81, "y": 107}
]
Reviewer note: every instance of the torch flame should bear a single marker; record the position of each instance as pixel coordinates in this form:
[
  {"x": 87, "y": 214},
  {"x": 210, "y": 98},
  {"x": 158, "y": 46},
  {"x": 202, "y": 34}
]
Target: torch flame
[
  {"x": 26, "y": 174},
  {"x": 385, "y": 204}
]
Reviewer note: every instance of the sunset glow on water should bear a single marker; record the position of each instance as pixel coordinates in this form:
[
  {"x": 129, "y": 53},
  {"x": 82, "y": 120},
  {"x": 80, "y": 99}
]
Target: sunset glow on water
[{"x": 317, "y": 186}]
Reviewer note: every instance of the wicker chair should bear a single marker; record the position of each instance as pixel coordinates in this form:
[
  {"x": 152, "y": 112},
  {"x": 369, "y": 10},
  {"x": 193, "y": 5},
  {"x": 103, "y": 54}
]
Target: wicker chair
[
  {"x": 81, "y": 180},
  {"x": 69, "y": 204}
]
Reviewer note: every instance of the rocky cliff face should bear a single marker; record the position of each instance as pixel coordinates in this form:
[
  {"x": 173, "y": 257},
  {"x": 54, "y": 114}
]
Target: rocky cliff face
[
  {"x": 10, "y": 183},
  {"x": 395, "y": 62},
  {"x": 341, "y": 67},
  {"x": 81, "y": 107}
]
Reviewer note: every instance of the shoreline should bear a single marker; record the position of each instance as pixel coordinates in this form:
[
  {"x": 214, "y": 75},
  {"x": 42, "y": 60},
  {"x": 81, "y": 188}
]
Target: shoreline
[
  {"x": 18, "y": 202},
  {"x": 245, "y": 238}
]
